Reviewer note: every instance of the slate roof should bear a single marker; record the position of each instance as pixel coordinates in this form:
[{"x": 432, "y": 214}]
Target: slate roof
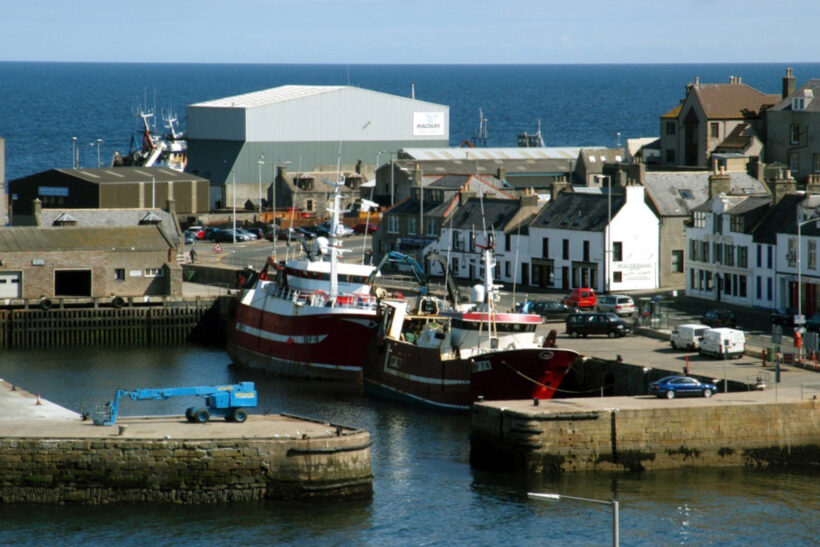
[
  {"x": 578, "y": 211},
  {"x": 732, "y": 101},
  {"x": 495, "y": 214},
  {"x": 780, "y": 218},
  {"x": 814, "y": 104},
  {"x": 752, "y": 209},
  {"x": 412, "y": 206},
  {"x": 678, "y": 193},
  {"x": 79, "y": 238},
  {"x": 595, "y": 158},
  {"x": 91, "y": 218}
]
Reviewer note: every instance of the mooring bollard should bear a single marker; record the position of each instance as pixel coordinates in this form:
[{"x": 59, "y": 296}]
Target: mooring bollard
[{"x": 122, "y": 429}]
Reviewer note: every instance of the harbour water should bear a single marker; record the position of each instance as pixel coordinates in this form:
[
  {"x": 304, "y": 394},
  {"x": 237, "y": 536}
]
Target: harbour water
[{"x": 425, "y": 491}]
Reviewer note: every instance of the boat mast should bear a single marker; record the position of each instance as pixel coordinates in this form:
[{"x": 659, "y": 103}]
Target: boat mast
[{"x": 334, "y": 231}]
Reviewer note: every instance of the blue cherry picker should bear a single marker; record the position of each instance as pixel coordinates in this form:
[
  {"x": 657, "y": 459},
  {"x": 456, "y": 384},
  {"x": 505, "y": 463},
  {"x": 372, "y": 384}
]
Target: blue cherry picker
[{"x": 228, "y": 401}]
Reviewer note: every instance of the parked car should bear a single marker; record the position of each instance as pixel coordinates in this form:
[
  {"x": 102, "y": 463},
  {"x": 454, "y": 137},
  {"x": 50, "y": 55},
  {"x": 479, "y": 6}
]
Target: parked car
[
  {"x": 618, "y": 304},
  {"x": 719, "y": 318},
  {"x": 226, "y": 236},
  {"x": 258, "y": 232},
  {"x": 362, "y": 228},
  {"x": 673, "y": 386},
  {"x": 209, "y": 233},
  {"x": 584, "y": 324},
  {"x": 687, "y": 336},
  {"x": 813, "y": 322},
  {"x": 547, "y": 309},
  {"x": 581, "y": 298},
  {"x": 723, "y": 341},
  {"x": 293, "y": 234},
  {"x": 784, "y": 317},
  {"x": 306, "y": 233},
  {"x": 247, "y": 235},
  {"x": 197, "y": 231},
  {"x": 189, "y": 237}
]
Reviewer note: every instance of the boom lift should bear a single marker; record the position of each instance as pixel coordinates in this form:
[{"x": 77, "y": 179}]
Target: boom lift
[{"x": 228, "y": 401}]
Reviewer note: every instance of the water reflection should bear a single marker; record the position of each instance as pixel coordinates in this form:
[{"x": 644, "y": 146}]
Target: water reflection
[{"x": 425, "y": 491}]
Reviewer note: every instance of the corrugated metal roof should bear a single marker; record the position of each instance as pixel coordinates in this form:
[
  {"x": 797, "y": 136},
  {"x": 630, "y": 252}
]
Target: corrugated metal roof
[
  {"x": 122, "y": 175},
  {"x": 510, "y": 153},
  {"x": 269, "y": 96},
  {"x": 79, "y": 238}
]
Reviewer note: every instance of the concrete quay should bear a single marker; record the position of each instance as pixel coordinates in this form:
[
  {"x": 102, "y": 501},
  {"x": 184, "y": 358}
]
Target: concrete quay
[
  {"x": 48, "y": 454},
  {"x": 775, "y": 426}
]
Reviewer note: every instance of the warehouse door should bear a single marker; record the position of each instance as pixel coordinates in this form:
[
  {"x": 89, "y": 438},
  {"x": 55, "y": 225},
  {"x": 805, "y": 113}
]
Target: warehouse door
[
  {"x": 10, "y": 285},
  {"x": 72, "y": 283}
]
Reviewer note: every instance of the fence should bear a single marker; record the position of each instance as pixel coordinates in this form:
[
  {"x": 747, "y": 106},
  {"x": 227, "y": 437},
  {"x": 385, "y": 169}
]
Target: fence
[{"x": 108, "y": 327}]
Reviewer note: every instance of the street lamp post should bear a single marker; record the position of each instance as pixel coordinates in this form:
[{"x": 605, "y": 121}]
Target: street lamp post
[
  {"x": 261, "y": 162},
  {"x": 73, "y": 152},
  {"x": 99, "y": 142},
  {"x": 234, "y": 207},
  {"x": 392, "y": 181},
  {"x": 613, "y": 503}
]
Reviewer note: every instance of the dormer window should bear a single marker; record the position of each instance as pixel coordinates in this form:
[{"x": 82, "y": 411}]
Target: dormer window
[{"x": 798, "y": 104}]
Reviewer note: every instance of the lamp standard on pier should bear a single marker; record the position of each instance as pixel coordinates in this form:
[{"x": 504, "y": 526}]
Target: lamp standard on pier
[{"x": 612, "y": 503}]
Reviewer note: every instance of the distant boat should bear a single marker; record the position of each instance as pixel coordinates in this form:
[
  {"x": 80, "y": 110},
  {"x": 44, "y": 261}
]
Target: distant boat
[
  {"x": 449, "y": 359},
  {"x": 169, "y": 150}
]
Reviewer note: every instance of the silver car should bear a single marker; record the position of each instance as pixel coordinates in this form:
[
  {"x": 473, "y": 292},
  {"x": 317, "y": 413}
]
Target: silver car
[{"x": 619, "y": 304}]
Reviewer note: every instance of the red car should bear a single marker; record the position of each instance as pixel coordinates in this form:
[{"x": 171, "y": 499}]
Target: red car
[{"x": 362, "y": 228}]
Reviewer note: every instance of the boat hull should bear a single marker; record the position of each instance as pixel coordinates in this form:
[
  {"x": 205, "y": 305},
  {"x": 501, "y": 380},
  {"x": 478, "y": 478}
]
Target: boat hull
[
  {"x": 401, "y": 370},
  {"x": 305, "y": 343}
]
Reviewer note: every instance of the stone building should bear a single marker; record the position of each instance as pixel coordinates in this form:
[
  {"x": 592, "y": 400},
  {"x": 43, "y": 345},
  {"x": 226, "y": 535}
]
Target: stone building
[
  {"x": 792, "y": 128},
  {"x": 312, "y": 192},
  {"x": 71, "y": 261},
  {"x": 729, "y": 117}
]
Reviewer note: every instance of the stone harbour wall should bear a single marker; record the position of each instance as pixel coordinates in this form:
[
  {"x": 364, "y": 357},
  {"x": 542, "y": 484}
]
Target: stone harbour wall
[
  {"x": 97, "y": 471},
  {"x": 759, "y": 435}
]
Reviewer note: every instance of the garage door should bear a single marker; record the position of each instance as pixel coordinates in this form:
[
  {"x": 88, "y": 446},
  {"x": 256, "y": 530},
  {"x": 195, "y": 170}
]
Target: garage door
[{"x": 10, "y": 284}]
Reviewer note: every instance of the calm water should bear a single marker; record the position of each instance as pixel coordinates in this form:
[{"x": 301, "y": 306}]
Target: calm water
[
  {"x": 425, "y": 489},
  {"x": 43, "y": 105}
]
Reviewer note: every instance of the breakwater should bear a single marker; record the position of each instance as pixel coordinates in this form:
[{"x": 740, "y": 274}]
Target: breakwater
[
  {"x": 143, "y": 325},
  {"x": 644, "y": 433}
]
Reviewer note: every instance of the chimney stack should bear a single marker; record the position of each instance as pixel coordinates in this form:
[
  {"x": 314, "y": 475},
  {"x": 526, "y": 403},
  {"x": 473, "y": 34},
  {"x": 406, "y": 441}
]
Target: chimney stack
[
  {"x": 170, "y": 206},
  {"x": 501, "y": 174},
  {"x": 282, "y": 171},
  {"x": 557, "y": 188},
  {"x": 719, "y": 183},
  {"x": 788, "y": 83}
]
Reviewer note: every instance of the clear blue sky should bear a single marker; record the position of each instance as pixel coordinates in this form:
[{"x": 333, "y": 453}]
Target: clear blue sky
[{"x": 409, "y": 31}]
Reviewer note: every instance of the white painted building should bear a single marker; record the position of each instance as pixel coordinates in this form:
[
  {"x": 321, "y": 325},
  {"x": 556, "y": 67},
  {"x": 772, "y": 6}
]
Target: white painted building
[
  {"x": 722, "y": 255},
  {"x": 567, "y": 242}
]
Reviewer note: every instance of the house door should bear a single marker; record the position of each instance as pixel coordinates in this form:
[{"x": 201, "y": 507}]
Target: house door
[
  {"x": 10, "y": 285},
  {"x": 525, "y": 273}
]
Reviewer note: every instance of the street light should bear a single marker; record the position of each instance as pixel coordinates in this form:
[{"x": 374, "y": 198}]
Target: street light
[
  {"x": 607, "y": 235},
  {"x": 234, "y": 206},
  {"x": 613, "y": 503},
  {"x": 261, "y": 162},
  {"x": 99, "y": 142},
  {"x": 73, "y": 152}
]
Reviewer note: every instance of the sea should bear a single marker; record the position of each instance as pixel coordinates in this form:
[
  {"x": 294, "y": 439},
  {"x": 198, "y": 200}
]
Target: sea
[{"x": 425, "y": 491}]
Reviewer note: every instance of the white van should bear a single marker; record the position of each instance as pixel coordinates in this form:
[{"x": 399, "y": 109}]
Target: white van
[
  {"x": 687, "y": 336},
  {"x": 717, "y": 341}
]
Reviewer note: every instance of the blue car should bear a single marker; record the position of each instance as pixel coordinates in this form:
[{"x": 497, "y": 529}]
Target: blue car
[{"x": 672, "y": 386}]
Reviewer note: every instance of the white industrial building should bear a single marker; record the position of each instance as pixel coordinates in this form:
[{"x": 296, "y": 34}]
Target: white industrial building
[{"x": 238, "y": 141}]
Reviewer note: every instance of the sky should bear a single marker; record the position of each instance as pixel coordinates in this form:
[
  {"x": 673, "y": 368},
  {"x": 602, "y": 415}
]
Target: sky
[{"x": 409, "y": 31}]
